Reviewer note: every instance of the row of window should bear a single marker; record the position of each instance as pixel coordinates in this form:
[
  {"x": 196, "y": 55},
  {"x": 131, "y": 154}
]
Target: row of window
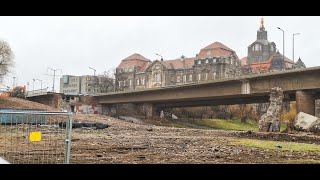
[
  {"x": 138, "y": 82},
  {"x": 70, "y": 85},
  {"x": 70, "y": 91},
  {"x": 180, "y": 78},
  {"x": 74, "y": 79},
  {"x": 199, "y": 77},
  {"x": 232, "y": 61},
  {"x": 258, "y": 47}
]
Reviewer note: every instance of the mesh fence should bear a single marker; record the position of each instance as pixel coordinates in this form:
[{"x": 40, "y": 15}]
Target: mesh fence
[{"x": 35, "y": 137}]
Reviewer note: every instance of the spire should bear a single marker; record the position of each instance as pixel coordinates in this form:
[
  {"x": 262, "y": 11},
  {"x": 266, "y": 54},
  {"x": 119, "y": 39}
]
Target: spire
[{"x": 261, "y": 24}]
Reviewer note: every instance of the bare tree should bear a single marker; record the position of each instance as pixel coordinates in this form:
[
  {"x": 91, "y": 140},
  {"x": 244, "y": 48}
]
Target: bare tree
[
  {"x": 104, "y": 83},
  {"x": 6, "y": 58},
  {"x": 245, "y": 112}
]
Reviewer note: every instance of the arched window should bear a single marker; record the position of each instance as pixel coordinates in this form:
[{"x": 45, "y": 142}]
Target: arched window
[
  {"x": 199, "y": 77},
  {"x": 178, "y": 78},
  {"x": 258, "y": 47},
  {"x": 190, "y": 77},
  {"x": 157, "y": 77},
  {"x": 214, "y": 74},
  {"x": 206, "y": 76},
  {"x": 138, "y": 82},
  {"x": 271, "y": 48}
]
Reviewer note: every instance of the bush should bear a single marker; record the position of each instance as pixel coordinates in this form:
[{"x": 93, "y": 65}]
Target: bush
[{"x": 289, "y": 116}]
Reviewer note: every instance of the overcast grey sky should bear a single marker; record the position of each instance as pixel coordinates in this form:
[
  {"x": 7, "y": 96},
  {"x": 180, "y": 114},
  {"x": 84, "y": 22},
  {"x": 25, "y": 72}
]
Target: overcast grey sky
[{"x": 75, "y": 43}]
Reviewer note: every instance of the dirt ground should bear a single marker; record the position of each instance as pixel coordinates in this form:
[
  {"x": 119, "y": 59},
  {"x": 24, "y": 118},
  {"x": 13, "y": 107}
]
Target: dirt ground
[{"x": 125, "y": 142}]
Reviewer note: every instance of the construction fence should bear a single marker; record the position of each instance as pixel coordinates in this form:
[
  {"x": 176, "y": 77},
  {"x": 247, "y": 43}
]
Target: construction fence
[{"x": 35, "y": 136}]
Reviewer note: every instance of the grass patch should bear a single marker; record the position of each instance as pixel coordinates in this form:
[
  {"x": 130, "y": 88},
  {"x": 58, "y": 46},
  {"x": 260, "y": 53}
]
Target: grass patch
[
  {"x": 221, "y": 124},
  {"x": 286, "y": 146},
  {"x": 228, "y": 124}
]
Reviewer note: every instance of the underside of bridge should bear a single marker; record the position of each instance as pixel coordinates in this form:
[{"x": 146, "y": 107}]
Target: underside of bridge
[{"x": 302, "y": 86}]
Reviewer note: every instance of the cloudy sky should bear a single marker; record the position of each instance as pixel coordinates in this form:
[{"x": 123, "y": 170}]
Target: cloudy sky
[{"x": 74, "y": 44}]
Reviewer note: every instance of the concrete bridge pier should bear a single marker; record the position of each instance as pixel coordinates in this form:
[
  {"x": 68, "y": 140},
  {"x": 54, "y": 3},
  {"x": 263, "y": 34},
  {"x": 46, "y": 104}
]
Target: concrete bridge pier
[
  {"x": 305, "y": 102},
  {"x": 109, "y": 110},
  {"x": 151, "y": 110}
]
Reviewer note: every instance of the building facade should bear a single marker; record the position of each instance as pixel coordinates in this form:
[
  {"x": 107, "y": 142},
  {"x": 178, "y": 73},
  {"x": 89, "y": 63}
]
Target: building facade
[
  {"x": 212, "y": 62},
  {"x": 87, "y": 84},
  {"x": 263, "y": 55}
]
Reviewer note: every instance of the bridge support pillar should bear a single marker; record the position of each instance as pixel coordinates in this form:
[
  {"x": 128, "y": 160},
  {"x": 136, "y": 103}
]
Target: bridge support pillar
[
  {"x": 108, "y": 110},
  {"x": 305, "y": 102},
  {"x": 150, "y": 110}
]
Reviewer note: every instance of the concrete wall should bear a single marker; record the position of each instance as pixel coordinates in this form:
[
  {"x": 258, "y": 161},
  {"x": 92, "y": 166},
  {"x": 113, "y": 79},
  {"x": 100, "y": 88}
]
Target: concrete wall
[
  {"x": 88, "y": 109},
  {"x": 52, "y": 100}
]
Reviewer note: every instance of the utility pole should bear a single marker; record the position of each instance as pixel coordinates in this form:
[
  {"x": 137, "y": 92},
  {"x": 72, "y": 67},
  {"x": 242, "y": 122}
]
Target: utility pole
[
  {"x": 41, "y": 84},
  {"x": 54, "y": 76}
]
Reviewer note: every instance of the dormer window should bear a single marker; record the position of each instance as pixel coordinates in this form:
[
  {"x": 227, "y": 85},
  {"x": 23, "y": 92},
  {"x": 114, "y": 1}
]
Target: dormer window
[{"x": 271, "y": 48}]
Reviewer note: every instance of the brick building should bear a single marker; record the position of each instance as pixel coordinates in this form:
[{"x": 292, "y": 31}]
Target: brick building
[{"x": 213, "y": 62}]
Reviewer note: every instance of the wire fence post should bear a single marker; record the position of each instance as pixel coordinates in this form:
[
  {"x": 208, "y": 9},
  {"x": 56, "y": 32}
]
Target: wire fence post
[{"x": 68, "y": 138}]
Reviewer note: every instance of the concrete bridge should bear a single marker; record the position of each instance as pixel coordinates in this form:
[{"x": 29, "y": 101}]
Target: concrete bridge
[{"x": 300, "y": 85}]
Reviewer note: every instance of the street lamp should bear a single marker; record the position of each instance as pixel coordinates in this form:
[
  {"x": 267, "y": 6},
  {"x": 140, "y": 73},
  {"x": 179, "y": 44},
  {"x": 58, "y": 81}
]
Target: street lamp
[
  {"x": 293, "y": 45},
  {"x": 94, "y": 71},
  {"x": 41, "y": 84},
  {"x": 33, "y": 85},
  {"x": 283, "y": 43}
]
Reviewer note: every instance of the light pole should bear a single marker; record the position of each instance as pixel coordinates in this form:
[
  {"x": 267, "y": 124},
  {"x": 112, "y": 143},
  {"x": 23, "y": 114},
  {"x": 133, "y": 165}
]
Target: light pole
[
  {"x": 33, "y": 86},
  {"x": 94, "y": 77},
  {"x": 54, "y": 76},
  {"x": 283, "y": 43},
  {"x": 293, "y": 45},
  {"x": 94, "y": 71},
  {"x": 41, "y": 84}
]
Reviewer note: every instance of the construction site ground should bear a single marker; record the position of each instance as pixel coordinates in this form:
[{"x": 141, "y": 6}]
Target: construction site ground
[
  {"x": 155, "y": 142},
  {"x": 125, "y": 142}
]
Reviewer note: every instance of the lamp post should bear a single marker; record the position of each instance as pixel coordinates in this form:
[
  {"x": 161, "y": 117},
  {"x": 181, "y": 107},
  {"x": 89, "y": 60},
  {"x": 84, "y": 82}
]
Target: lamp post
[
  {"x": 41, "y": 84},
  {"x": 54, "y": 76},
  {"x": 283, "y": 43},
  {"x": 94, "y": 71},
  {"x": 293, "y": 45},
  {"x": 33, "y": 85},
  {"x": 94, "y": 77}
]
